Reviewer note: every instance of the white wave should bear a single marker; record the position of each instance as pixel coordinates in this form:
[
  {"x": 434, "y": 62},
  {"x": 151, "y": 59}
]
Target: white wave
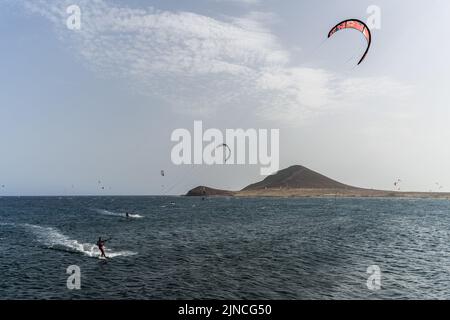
[
  {"x": 117, "y": 214},
  {"x": 54, "y": 239},
  {"x": 120, "y": 253},
  {"x": 7, "y": 224},
  {"x": 135, "y": 215}
]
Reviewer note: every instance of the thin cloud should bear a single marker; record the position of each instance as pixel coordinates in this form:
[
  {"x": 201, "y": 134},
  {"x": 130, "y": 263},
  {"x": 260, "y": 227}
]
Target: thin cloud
[{"x": 244, "y": 2}]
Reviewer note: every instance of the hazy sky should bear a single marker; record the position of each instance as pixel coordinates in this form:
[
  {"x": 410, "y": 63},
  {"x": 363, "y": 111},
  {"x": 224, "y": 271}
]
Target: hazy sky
[{"x": 100, "y": 103}]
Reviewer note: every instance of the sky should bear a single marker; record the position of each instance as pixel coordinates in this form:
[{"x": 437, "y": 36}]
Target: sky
[{"x": 91, "y": 111}]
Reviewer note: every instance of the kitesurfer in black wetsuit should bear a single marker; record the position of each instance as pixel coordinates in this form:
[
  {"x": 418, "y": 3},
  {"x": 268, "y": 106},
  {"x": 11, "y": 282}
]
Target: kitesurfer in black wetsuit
[{"x": 101, "y": 246}]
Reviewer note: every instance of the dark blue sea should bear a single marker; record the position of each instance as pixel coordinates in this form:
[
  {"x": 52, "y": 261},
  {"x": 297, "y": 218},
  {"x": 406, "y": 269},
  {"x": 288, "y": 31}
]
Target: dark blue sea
[{"x": 224, "y": 248}]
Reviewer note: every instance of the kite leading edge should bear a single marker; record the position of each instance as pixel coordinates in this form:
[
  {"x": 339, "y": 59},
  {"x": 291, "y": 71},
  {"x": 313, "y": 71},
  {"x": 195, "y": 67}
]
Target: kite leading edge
[{"x": 354, "y": 24}]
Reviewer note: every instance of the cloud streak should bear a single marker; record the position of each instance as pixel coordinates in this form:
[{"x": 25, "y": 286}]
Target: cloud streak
[{"x": 244, "y": 2}]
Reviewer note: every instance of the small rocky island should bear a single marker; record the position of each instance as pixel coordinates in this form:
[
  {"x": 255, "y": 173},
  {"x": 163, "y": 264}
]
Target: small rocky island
[{"x": 202, "y": 191}]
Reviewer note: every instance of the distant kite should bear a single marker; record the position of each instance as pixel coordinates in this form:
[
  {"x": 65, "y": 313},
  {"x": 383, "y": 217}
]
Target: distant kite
[
  {"x": 397, "y": 183},
  {"x": 354, "y": 24},
  {"x": 162, "y": 173},
  {"x": 227, "y": 148}
]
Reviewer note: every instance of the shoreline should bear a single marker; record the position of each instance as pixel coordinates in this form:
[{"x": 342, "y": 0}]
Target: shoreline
[
  {"x": 275, "y": 193},
  {"x": 341, "y": 193},
  {"x": 324, "y": 193}
]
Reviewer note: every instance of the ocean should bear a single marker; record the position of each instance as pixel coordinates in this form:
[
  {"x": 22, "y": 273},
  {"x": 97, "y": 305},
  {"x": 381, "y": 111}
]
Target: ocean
[{"x": 224, "y": 248}]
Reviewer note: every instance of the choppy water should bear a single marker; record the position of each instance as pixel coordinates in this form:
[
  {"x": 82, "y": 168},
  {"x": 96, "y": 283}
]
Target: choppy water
[{"x": 183, "y": 248}]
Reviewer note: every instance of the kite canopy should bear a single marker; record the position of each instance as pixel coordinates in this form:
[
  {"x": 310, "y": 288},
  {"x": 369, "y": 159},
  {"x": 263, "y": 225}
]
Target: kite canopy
[
  {"x": 357, "y": 25},
  {"x": 227, "y": 148}
]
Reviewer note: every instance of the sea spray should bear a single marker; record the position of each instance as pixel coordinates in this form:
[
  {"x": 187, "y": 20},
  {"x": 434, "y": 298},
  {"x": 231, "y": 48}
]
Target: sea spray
[
  {"x": 117, "y": 214},
  {"x": 53, "y": 238}
]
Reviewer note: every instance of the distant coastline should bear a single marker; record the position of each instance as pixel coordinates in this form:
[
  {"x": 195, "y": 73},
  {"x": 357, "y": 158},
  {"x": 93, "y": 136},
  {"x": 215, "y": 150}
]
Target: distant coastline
[
  {"x": 301, "y": 182},
  {"x": 304, "y": 193}
]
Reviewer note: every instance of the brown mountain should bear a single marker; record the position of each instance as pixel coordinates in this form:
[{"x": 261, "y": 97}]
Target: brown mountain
[
  {"x": 298, "y": 181},
  {"x": 292, "y": 178},
  {"x": 297, "y": 177}
]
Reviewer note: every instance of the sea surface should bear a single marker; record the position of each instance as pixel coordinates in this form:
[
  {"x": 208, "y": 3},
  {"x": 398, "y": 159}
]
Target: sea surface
[{"x": 225, "y": 248}]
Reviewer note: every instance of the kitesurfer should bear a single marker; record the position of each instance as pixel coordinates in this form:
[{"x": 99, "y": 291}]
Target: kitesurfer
[{"x": 101, "y": 246}]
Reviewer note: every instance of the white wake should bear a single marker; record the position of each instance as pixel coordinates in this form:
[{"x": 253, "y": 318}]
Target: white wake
[
  {"x": 117, "y": 214},
  {"x": 52, "y": 238}
]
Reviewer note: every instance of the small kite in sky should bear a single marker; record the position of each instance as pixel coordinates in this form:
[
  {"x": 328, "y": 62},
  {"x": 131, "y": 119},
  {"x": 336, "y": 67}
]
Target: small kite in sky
[{"x": 227, "y": 155}]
